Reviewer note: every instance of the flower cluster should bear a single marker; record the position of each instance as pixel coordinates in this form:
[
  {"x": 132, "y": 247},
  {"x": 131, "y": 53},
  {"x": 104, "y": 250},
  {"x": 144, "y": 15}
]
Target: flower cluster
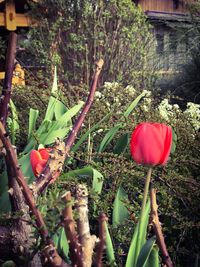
[{"x": 193, "y": 113}]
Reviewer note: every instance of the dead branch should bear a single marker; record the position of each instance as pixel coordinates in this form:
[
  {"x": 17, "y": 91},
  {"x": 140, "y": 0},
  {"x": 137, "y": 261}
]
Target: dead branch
[
  {"x": 6, "y": 92},
  {"x": 72, "y": 236},
  {"x": 158, "y": 230},
  {"x": 46, "y": 176},
  {"x": 86, "y": 240},
  {"x": 102, "y": 239}
]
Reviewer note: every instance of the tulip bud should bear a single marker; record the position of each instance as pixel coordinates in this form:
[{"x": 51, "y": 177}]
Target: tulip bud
[
  {"x": 151, "y": 143},
  {"x": 38, "y": 159}
]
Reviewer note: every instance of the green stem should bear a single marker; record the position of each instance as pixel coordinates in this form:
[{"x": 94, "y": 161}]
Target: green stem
[{"x": 142, "y": 213}]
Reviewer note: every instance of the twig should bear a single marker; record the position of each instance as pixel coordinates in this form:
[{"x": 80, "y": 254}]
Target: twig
[
  {"x": 6, "y": 92},
  {"x": 102, "y": 237},
  {"x": 86, "y": 240},
  {"x": 158, "y": 230},
  {"x": 46, "y": 176},
  {"x": 69, "y": 226}
]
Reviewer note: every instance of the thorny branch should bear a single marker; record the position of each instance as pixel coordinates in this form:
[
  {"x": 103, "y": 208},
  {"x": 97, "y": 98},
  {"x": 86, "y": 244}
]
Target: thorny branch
[
  {"x": 86, "y": 240},
  {"x": 47, "y": 176},
  {"x": 158, "y": 230},
  {"x": 6, "y": 92},
  {"x": 102, "y": 237},
  {"x": 72, "y": 236}
]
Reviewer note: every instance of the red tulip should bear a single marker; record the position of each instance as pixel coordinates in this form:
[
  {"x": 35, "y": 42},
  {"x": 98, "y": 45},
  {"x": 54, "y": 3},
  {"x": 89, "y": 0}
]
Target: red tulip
[
  {"x": 151, "y": 143},
  {"x": 38, "y": 160}
]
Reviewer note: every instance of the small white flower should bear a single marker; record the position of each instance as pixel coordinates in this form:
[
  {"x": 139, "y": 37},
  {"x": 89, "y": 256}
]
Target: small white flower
[{"x": 98, "y": 94}]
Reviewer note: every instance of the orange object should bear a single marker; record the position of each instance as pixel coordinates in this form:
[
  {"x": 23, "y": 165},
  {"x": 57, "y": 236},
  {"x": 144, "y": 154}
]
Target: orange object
[
  {"x": 18, "y": 75},
  {"x": 38, "y": 159}
]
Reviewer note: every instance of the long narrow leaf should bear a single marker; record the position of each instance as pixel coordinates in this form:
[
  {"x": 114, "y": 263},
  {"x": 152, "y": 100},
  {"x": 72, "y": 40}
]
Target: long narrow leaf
[
  {"x": 109, "y": 247},
  {"x": 120, "y": 212},
  {"x": 153, "y": 259},
  {"x": 84, "y": 137},
  {"x": 131, "y": 258},
  {"x": 145, "y": 252},
  {"x": 133, "y": 104},
  {"x": 33, "y": 115},
  {"x": 121, "y": 144},
  {"x": 108, "y": 137}
]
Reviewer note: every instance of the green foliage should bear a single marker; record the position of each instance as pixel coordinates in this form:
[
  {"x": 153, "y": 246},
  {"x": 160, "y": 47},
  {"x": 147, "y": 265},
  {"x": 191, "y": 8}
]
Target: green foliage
[
  {"x": 145, "y": 252},
  {"x": 120, "y": 212},
  {"x": 74, "y": 34},
  {"x": 132, "y": 258},
  {"x": 110, "y": 253},
  {"x": 61, "y": 243}
]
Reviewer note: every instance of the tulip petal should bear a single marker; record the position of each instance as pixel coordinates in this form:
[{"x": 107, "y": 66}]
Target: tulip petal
[
  {"x": 35, "y": 158},
  {"x": 151, "y": 143},
  {"x": 44, "y": 153},
  {"x": 40, "y": 166}
]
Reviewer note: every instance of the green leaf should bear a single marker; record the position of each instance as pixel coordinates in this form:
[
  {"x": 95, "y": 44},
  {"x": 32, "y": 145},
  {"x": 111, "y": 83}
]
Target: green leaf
[
  {"x": 108, "y": 137},
  {"x": 97, "y": 177},
  {"x": 50, "y": 137},
  {"x": 174, "y": 141},
  {"x": 24, "y": 162},
  {"x": 131, "y": 258},
  {"x": 63, "y": 244},
  {"x": 65, "y": 119},
  {"x": 33, "y": 115},
  {"x": 145, "y": 252},
  {"x": 5, "y": 205},
  {"x": 34, "y": 140},
  {"x": 50, "y": 108},
  {"x": 109, "y": 247},
  {"x": 60, "y": 109},
  {"x": 14, "y": 122},
  {"x": 121, "y": 144},
  {"x": 97, "y": 182},
  {"x": 50, "y": 130},
  {"x": 84, "y": 137},
  {"x": 133, "y": 104},
  {"x": 8, "y": 264},
  {"x": 120, "y": 212},
  {"x": 153, "y": 259}
]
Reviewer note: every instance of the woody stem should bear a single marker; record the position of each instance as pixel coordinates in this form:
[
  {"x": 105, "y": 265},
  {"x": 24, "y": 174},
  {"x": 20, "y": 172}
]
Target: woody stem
[{"x": 142, "y": 213}]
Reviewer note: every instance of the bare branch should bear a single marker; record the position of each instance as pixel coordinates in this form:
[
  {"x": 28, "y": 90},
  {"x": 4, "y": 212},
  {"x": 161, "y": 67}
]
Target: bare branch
[
  {"x": 102, "y": 237},
  {"x": 86, "y": 240},
  {"x": 47, "y": 176},
  {"x": 6, "y": 92},
  {"x": 69, "y": 225},
  {"x": 158, "y": 230}
]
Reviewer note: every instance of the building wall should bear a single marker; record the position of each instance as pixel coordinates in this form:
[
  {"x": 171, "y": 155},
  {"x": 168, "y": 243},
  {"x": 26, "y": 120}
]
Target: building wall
[
  {"x": 170, "y": 31},
  {"x": 164, "y": 5}
]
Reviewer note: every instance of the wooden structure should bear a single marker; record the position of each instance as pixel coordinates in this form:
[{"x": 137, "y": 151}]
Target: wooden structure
[
  {"x": 13, "y": 15},
  {"x": 167, "y": 6},
  {"x": 169, "y": 18}
]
